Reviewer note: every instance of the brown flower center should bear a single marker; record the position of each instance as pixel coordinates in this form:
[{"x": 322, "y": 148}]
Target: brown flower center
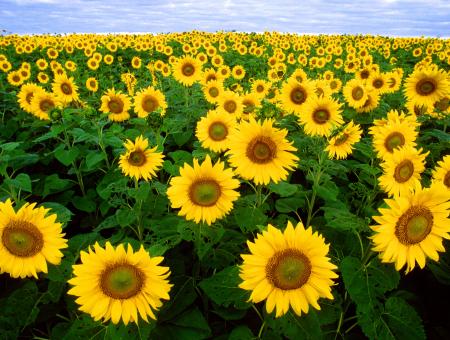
[
  {"x": 425, "y": 87},
  {"x": 364, "y": 74},
  {"x": 298, "y": 95},
  {"x": 261, "y": 150},
  {"x": 22, "y": 238},
  {"x": 393, "y": 141},
  {"x": 259, "y": 88},
  {"x": 341, "y": 139},
  {"x": 230, "y": 106},
  {"x": 377, "y": 83},
  {"x": 205, "y": 192},
  {"x": 16, "y": 78},
  {"x": 29, "y": 97},
  {"x": 218, "y": 131},
  {"x": 447, "y": 179},
  {"x": 122, "y": 281},
  {"x": 288, "y": 269},
  {"x": 150, "y": 104},
  {"x": 46, "y": 105},
  {"x": 137, "y": 158},
  {"x": 414, "y": 225},
  {"x": 357, "y": 93},
  {"x": 66, "y": 89},
  {"x": 404, "y": 171},
  {"x": 213, "y": 92},
  {"x": 188, "y": 70},
  {"x": 321, "y": 116},
  {"x": 115, "y": 105},
  {"x": 443, "y": 104}
]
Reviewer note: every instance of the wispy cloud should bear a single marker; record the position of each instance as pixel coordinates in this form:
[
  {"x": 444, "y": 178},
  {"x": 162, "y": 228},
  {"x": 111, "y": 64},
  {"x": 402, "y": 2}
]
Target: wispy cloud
[{"x": 386, "y": 17}]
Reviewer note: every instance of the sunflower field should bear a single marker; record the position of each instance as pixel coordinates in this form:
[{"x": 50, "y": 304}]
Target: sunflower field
[{"x": 224, "y": 186}]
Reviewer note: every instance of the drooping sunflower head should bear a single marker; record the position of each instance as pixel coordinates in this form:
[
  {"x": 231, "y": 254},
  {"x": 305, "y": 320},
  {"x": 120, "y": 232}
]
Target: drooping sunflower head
[
  {"x": 29, "y": 238},
  {"x": 412, "y": 227},
  {"x": 427, "y": 85},
  {"x": 204, "y": 192},
  {"x": 213, "y": 131},
  {"x": 187, "y": 70},
  {"x": 260, "y": 152},
  {"x": 138, "y": 161},
  {"x": 116, "y": 104},
  {"x": 288, "y": 269},
  {"x": 341, "y": 145},
  {"x": 401, "y": 170},
  {"x": 117, "y": 284},
  {"x": 321, "y": 115},
  {"x": 148, "y": 101}
]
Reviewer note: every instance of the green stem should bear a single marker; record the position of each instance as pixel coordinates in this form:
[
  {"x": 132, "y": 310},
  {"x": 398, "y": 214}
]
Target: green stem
[
  {"x": 139, "y": 215},
  {"x": 76, "y": 169},
  {"x": 261, "y": 329},
  {"x": 102, "y": 146}
]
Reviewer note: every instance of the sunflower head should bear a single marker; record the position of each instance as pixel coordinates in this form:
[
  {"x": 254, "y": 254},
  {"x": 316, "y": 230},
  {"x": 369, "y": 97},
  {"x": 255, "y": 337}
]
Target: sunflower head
[{"x": 288, "y": 269}]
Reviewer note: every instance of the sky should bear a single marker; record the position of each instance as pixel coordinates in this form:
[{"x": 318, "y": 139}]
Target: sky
[{"x": 383, "y": 17}]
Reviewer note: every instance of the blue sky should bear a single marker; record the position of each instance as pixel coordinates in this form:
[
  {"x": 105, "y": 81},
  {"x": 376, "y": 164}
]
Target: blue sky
[{"x": 385, "y": 17}]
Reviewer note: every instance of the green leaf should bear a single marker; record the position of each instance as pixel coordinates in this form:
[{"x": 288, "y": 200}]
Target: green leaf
[
  {"x": 342, "y": 219},
  {"x": 10, "y": 146},
  {"x": 54, "y": 184},
  {"x": 84, "y": 203},
  {"x": 403, "y": 319},
  {"x": 289, "y": 204},
  {"x": 367, "y": 284},
  {"x": 125, "y": 217},
  {"x": 222, "y": 288},
  {"x": 306, "y": 326},
  {"x": 22, "y": 182},
  {"x": 66, "y": 157},
  {"x": 241, "y": 333},
  {"x": 248, "y": 218},
  {"x": 283, "y": 189},
  {"x": 93, "y": 158}
]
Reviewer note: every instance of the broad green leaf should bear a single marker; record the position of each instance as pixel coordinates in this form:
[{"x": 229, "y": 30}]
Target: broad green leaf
[
  {"x": 292, "y": 326},
  {"x": 93, "y": 158},
  {"x": 290, "y": 204},
  {"x": 66, "y": 157},
  {"x": 403, "y": 320},
  {"x": 248, "y": 218},
  {"x": 342, "y": 219},
  {"x": 63, "y": 213},
  {"x": 21, "y": 182},
  {"x": 284, "y": 189},
  {"x": 54, "y": 184},
  {"x": 241, "y": 333}
]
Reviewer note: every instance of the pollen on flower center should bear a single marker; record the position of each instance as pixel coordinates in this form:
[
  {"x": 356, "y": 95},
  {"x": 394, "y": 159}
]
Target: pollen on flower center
[
  {"x": 230, "y": 106},
  {"x": 205, "y": 192},
  {"x": 261, "y": 150},
  {"x": 288, "y": 269},
  {"x": 425, "y": 87},
  {"x": 121, "y": 281},
  {"x": 149, "y": 104},
  {"x": 188, "y": 70},
  {"x": 66, "y": 89},
  {"x": 298, "y": 95},
  {"x": 357, "y": 93},
  {"x": 115, "y": 106},
  {"x": 414, "y": 225},
  {"x": 218, "y": 131},
  {"x": 321, "y": 116},
  {"x": 404, "y": 171},
  {"x": 137, "y": 158},
  {"x": 394, "y": 140},
  {"x": 22, "y": 238}
]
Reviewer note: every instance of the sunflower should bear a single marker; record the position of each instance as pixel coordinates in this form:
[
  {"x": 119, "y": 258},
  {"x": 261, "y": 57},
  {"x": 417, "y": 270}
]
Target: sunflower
[
  {"x": 294, "y": 95},
  {"x": 355, "y": 93},
  {"x": 41, "y": 104},
  {"x": 14, "y": 78},
  {"x": 203, "y": 192},
  {"x": 187, "y": 70},
  {"x": 213, "y": 131},
  {"x": 238, "y": 72},
  {"x": 92, "y": 84},
  {"x": 372, "y": 101},
  {"x": 213, "y": 90},
  {"x": 138, "y": 161},
  {"x": 401, "y": 171},
  {"x": 341, "y": 145},
  {"x": 148, "y": 101},
  {"x": 393, "y": 135},
  {"x": 441, "y": 173},
  {"x": 261, "y": 88},
  {"x": 412, "y": 227},
  {"x": 136, "y": 62},
  {"x": 114, "y": 283},
  {"x": 229, "y": 102},
  {"x": 427, "y": 85},
  {"x": 288, "y": 269},
  {"x": 378, "y": 82},
  {"x": 43, "y": 77},
  {"x": 25, "y": 95},
  {"x": 260, "y": 152},
  {"x": 250, "y": 101},
  {"x": 320, "y": 116},
  {"x": 29, "y": 238},
  {"x": 116, "y": 104},
  {"x": 64, "y": 88}
]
